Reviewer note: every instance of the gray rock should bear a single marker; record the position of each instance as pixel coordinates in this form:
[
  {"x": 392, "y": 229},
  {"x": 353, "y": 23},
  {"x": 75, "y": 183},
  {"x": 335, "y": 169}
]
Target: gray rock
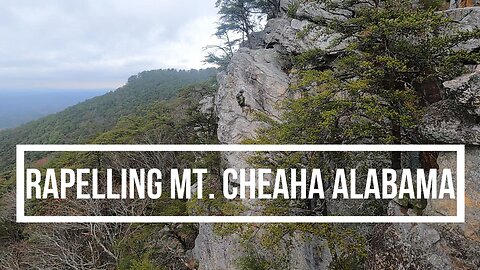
[
  {"x": 259, "y": 75},
  {"x": 461, "y": 241},
  {"x": 255, "y": 41},
  {"x": 315, "y": 10},
  {"x": 435, "y": 246},
  {"x": 391, "y": 249},
  {"x": 216, "y": 252},
  {"x": 410, "y": 246},
  {"x": 207, "y": 105},
  {"x": 446, "y": 122},
  {"x": 298, "y": 25},
  {"x": 264, "y": 84},
  {"x": 285, "y": 6},
  {"x": 466, "y": 19},
  {"x": 439, "y": 262},
  {"x": 309, "y": 252},
  {"x": 298, "y": 36},
  {"x": 423, "y": 236},
  {"x": 457, "y": 118},
  {"x": 471, "y": 228},
  {"x": 466, "y": 92}
]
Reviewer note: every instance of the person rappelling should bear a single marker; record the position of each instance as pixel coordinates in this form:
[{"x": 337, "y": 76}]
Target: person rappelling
[{"x": 241, "y": 100}]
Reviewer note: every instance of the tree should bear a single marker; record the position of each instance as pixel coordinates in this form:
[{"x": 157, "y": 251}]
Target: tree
[
  {"x": 270, "y": 7},
  {"x": 178, "y": 120},
  {"x": 373, "y": 90},
  {"x": 238, "y": 16},
  {"x": 221, "y": 54},
  {"x": 238, "y": 20}
]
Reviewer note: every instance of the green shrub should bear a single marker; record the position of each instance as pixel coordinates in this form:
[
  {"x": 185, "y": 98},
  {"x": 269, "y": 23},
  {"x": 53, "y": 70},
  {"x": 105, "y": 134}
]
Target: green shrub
[
  {"x": 292, "y": 9},
  {"x": 253, "y": 262}
]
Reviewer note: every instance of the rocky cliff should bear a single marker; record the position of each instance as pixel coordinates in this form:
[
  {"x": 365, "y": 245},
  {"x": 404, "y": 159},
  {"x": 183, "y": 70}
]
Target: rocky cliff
[
  {"x": 454, "y": 120},
  {"x": 259, "y": 74}
]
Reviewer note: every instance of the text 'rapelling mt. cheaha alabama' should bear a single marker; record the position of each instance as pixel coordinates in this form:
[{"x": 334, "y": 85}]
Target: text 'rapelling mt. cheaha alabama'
[{"x": 253, "y": 183}]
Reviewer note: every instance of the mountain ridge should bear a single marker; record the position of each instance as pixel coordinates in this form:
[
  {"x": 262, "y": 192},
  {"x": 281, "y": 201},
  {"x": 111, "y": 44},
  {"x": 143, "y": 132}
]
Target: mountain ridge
[{"x": 83, "y": 121}]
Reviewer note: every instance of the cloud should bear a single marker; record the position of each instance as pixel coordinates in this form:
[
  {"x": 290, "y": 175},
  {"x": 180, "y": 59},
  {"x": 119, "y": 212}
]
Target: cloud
[{"x": 99, "y": 43}]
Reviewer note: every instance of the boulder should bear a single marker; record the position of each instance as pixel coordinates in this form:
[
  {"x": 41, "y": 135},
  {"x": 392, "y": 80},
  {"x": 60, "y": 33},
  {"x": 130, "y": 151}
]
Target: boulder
[
  {"x": 456, "y": 119},
  {"x": 434, "y": 246},
  {"x": 207, "y": 105},
  {"x": 293, "y": 36},
  {"x": 213, "y": 251},
  {"x": 465, "y": 19},
  {"x": 471, "y": 228},
  {"x": 446, "y": 122},
  {"x": 317, "y": 10},
  {"x": 465, "y": 91}
]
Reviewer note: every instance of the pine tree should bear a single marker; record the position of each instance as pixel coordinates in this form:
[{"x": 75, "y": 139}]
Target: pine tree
[
  {"x": 373, "y": 90},
  {"x": 238, "y": 20}
]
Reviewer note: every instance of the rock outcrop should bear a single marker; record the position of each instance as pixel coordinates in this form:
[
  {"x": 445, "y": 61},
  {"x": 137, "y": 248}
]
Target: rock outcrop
[
  {"x": 257, "y": 75},
  {"x": 213, "y": 251},
  {"x": 465, "y": 91},
  {"x": 453, "y": 120},
  {"x": 456, "y": 119},
  {"x": 434, "y": 246},
  {"x": 465, "y": 19},
  {"x": 298, "y": 34},
  {"x": 293, "y": 36},
  {"x": 257, "y": 78},
  {"x": 446, "y": 122}
]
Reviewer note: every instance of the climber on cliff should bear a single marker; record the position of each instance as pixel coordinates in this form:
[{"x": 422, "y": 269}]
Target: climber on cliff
[{"x": 242, "y": 102}]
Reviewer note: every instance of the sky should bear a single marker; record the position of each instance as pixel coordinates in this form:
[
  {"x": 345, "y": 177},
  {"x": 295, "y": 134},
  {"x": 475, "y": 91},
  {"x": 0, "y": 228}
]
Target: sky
[{"x": 98, "y": 44}]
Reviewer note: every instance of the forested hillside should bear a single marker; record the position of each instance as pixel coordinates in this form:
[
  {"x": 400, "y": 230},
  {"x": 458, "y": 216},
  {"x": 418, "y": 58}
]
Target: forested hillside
[
  {"x": 80, "y": 123},
  {"x": 179, "y": 120}
]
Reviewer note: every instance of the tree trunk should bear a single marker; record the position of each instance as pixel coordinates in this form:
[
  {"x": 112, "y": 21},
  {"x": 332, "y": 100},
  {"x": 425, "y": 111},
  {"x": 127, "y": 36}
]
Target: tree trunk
[{"x": 396, "y": 156}]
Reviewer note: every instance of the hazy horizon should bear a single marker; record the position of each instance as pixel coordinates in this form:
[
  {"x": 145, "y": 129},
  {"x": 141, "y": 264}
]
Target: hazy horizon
[
  {"x": 19, "y": 107},
  {"x": 55, "y": 54}
]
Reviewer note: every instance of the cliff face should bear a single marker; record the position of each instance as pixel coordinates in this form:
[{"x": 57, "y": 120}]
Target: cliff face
[
  {"x": 454, "y": 120},
  {"x": 258, "y": 75}
]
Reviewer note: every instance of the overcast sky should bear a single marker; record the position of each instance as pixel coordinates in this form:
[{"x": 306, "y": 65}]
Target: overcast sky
[{"x": 98, "y": 44}]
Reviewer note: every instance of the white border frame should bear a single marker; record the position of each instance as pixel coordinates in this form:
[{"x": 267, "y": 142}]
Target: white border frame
[{"x": 21, "y": 218}]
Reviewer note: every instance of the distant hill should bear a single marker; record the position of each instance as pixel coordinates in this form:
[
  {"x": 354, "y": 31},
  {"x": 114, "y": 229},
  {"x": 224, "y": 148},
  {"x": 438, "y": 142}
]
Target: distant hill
[
  {"x": 182, "y": 119},
  {"x": 82, "y": 122},
  {"x": 20, "y": 107}
]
